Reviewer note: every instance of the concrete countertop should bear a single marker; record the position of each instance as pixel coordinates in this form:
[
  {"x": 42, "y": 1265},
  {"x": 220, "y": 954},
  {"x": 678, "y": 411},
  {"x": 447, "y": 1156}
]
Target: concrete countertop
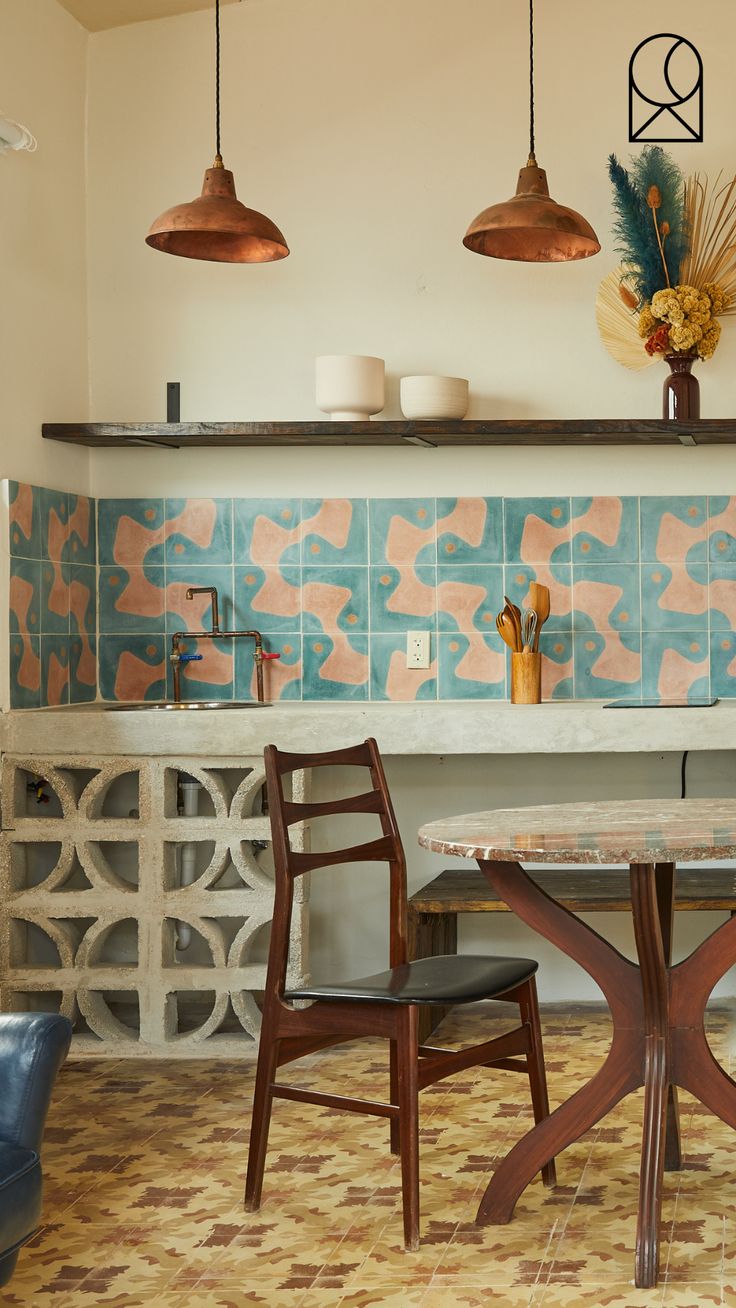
[{"x": 435, "y": 728}]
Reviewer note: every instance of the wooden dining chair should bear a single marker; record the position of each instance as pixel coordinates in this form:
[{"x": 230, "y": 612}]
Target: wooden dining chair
[{"x": 386, "y": 1004}]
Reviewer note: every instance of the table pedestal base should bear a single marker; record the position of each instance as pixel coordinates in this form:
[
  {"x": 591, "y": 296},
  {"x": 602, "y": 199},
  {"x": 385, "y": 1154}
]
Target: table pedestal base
[{"x": 658, "y": 1041}]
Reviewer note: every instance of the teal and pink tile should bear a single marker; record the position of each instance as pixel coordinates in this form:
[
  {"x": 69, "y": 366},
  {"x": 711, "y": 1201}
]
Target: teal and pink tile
[
  {"x": 54, "y": 523},
  {"x": 607, "y": 664},
  {"x": 469, "y": 597},
  {"x": 334, "y": 599},
  {"x": 25, "y": 600},
  {"x": 81, "y": 542},
  {"x": 403, "y": 598},
  {"x": 198, "y": 531},
  {"x": 470, "y": 530},
  {"x": 472, "y": 665},
  {"x": 674, "y": 596},
  {"x": 676, "y": 664},
  {"x": 54, "y": 597},
  {"x": 210, "y": 676},
  {"x": 268, "y": 599},
  {"x": 403, "y": 531},
  {"x": 25, "y": 670},
  {"x": 82, "y": 669},
  {"x": 556, "y": 648},
  {"x": 605, "y": 529},
  {"x": 132, "y": 667},
  {"x": 282, "y": 677},
  {"x": 336, "y": 666},
  {"x": 55, "y": 670},
  {"x": 195, "y": 614},
  {"x": 130, "y": 532},
  {"x": 390, "y": 677},
  {"x": 25, "y": 520},
  {"x": 537, "y": 530},
  {"x": 722, "y": 596},
  {"x": 132, "y": 599},
  {"x": 334, "y": 532},
  {"x": 266, "y": 532},
  {"x": 557, "y": 579},
  {"x": 82, "y": 599},
  {"x": 722, "y": 529},
  {"x": 723, "y": 664},
  {"x": 674, "y": 529},
  {"x": 605, "y": 595}
]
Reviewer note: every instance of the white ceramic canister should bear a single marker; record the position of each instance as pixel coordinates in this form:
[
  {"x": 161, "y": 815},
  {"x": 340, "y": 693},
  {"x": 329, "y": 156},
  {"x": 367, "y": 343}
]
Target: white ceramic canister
[
  {"x": 350, "y": 387},
  {"x": 434, "y": 398}
]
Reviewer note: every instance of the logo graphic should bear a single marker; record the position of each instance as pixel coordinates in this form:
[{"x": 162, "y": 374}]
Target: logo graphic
[{"x": 665, "y": 90}]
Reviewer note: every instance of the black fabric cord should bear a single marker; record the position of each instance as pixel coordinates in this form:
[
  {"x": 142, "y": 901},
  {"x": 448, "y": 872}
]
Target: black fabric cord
[
  {"x": 683, "y": 778},
  {"x": 217, "y": 74},
  {"x": 531, "y": 77}
]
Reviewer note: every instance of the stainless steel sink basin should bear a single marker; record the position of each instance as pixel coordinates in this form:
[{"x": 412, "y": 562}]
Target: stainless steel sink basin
[{"x": 169, "y": 706}]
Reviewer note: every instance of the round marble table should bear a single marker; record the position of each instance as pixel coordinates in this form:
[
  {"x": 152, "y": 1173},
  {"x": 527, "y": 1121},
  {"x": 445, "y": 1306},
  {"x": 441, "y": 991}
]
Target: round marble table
[{"x": 657, "y": 1009}]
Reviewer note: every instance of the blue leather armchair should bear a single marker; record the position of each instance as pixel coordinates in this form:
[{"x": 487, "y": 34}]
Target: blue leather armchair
[{"x": 33, "y": 1047}]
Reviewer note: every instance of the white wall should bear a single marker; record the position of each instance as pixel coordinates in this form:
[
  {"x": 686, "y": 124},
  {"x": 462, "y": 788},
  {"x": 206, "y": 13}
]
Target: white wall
[
  {"x": 43, "y": 319},
  {"x": 372, "y": 132}
]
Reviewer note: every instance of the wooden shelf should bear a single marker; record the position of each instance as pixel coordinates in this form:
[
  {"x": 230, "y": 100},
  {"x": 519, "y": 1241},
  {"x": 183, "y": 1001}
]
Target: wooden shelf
[{"x": 264, "y": 435}]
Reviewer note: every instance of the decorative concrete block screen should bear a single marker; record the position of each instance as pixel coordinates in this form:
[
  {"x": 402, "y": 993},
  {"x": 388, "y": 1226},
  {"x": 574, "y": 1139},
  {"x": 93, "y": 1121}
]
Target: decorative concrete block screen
[{"x": 93, "y": 911}]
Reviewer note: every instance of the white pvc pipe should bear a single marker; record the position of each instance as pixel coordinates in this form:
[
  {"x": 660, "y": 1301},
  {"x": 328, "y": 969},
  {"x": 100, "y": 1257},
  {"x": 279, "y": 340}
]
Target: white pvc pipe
[{"x": 187, "y": 856}]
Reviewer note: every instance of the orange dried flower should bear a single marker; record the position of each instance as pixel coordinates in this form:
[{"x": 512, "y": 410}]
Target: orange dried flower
[
  {"x": 654, "y": 197},
  {"x": 627, "y": 295}
]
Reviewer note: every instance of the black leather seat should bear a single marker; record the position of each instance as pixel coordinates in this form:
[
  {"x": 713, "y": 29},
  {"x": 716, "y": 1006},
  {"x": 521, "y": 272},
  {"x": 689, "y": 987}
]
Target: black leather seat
[
  {"x": 446, "y": 979},
  {"x": 33, "y": 1047}
]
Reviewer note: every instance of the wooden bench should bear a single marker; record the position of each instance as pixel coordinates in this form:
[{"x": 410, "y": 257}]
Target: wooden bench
[{"x": 433, "y": 910}]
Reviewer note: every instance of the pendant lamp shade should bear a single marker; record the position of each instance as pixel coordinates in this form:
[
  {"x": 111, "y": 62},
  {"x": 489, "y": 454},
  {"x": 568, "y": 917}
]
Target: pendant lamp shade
[
  {"x": 531, "y": 227},
  {"x": 216, "y": 226}
]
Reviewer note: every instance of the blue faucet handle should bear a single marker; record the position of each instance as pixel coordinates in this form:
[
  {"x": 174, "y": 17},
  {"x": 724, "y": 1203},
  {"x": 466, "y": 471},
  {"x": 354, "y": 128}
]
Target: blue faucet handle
[{"x": 191, "y": 658}]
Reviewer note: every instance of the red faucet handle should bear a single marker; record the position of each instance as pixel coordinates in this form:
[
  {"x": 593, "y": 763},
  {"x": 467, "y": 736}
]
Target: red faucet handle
[{"x": 270, "y": 656}]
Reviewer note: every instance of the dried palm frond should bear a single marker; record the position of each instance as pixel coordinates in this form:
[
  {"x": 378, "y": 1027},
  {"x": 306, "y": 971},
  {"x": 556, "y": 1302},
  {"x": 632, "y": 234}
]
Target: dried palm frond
[
  {"x": 711, "y": 216},
  {"x": 618, "y": 321}
]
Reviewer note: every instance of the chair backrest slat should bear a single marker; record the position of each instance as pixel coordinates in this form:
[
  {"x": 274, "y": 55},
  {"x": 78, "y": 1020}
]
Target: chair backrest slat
[
  {"x": 371, "y": 802},
  {"x": 290, "y": 863},
  {"x": 382, "y": 850}
]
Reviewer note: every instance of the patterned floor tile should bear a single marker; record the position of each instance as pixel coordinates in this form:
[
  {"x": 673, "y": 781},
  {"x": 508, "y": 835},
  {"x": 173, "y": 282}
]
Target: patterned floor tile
[{"x": 145, "y": 1167}]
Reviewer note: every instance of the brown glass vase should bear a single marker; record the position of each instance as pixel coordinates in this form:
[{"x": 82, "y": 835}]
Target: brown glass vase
[{"x": 681, "y": 391}]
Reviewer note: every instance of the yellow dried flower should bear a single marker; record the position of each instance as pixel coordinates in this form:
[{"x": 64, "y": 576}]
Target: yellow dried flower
[
  {"x": 708, "y": 342},
  {"x": 666, "y": 306},
  {"x": 647, "y": 322},
  {"x": 719, "y": 300},
  {"x": 683, "y": 337}
]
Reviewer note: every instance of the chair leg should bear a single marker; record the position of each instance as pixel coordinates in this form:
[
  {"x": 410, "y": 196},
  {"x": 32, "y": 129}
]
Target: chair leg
[
  {"x": 407, "y": 1045},
  {"x": 535, "y": 1059},
  {"x": 394, "y": 1097},
  {"x": 261, "y": 1119}
]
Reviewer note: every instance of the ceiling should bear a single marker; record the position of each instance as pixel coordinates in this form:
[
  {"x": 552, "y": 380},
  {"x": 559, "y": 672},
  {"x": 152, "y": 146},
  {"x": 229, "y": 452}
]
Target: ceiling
[{"x": 96, "y": 15}]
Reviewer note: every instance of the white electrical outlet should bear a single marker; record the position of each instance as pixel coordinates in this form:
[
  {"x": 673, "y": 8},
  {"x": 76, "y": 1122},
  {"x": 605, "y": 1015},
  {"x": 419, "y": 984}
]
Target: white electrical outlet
[{"x": 417, "y": 649}]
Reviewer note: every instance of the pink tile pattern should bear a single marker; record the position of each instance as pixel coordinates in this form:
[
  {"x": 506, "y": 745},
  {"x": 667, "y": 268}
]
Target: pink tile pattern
[{"x": 635, "y": 584}]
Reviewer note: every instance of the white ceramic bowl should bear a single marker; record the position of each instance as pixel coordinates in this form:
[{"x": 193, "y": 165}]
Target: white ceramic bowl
[
  {"x": 434, "y": 398},
  {"x": 350, "y": 387}
]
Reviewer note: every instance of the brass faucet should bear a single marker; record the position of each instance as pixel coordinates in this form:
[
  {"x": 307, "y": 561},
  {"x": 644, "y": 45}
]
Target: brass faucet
[{"x": 177, "y": 656}]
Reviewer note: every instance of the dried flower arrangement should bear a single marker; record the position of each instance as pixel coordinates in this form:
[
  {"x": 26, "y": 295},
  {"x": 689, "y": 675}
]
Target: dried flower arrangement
[{"x": 677, "y": 241}]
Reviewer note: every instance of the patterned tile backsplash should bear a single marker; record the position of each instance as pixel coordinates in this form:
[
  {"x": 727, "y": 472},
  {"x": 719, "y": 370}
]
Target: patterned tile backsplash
[{"x": 643, "y": 595}]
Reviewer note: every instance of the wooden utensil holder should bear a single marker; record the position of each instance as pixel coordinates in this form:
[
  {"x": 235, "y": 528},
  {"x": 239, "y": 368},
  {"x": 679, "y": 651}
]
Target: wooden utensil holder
[{"x": 526, "y": 678}]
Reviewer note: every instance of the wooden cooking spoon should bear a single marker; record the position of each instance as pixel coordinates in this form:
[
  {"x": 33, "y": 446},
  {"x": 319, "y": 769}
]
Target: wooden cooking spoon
[
  {"x": 539, "y": 601},
  {"x": 506, "y": 629},
  {"x": 514, "y": 613}
]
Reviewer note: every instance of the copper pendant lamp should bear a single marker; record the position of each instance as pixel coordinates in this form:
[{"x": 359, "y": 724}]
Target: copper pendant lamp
[
  {"x": 216, "y": 226},
  {"x": 531, "y": 227}
]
